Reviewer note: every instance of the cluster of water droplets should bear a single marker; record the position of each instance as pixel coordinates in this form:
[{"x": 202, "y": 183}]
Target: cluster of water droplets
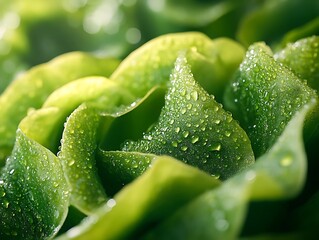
[
  {"x": 302, "y": 58},
  {"x": 77, "y": 155},
  {"x": 23, "y": 202},
  {"x": 266, "y": 94},
  {"x": 193, "y": 127}
]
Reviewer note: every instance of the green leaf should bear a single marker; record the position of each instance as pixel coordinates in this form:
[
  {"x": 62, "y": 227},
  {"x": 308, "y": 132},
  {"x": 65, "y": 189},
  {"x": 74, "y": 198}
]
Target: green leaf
[
  {"x": 77, "y": 156},
  {"x": 34, "y": 196},
  {"x": 203, "y": 12},
  {"x": 309, "y": 29},
  {"x": 118, "y": 168},
  {"x": 216, "y": 214},
  {"x": 130, "y": 121},
  {"x": 30, "y": 90},
  {"x": 264, "y": 96},
  {"x": 220, "y": 213},
  {"x": 162, "y": 189},
  {"x": 281, "y": 172},
  {"x": 46, "y": 124},
  {"x": 151, "y": 64},
  {"x": 194, "y": 128},
  {"x": 83, "y": 132},
  {"x": 302, "y": 58},
  {"x": 270, "y": 21}
]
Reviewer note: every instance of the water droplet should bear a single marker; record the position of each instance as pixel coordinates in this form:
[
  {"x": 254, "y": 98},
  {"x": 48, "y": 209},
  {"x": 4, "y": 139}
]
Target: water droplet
[
  {"x": 183, "y": 110},
  {"x": 229, "y": 119},
  {"x": 177, "y": 129},
  {"x": 216, "y": 175},
  {"x": 194, "y": 95},
  {"x": 250, "y": 175},
  {"x": 189, "y": 106},
  {"x": 70, "y": 163},
  {"x": 184, "y": 148},
  {"x": 148, "y": 137},
  {"x": 195, "y": 139},
  {"x": 185, "y": 134},
  {"x": 227, "y": 133},
  {"x": 171, "y": 121},
  {"x": 215, "y": 147},
  {"x": 174, "y": 144},
  {"x": 6, "y": 204},
  {"x": 217, "y": 121},
  {"x": 2, "y": 194},
  {"x": 204, "y": 98},
  {"x": 135, "y": 165},
  {"x": 11, "y": 171},
  {"x": 111, "y": 203},
  {"x": 286, "y": 161}
]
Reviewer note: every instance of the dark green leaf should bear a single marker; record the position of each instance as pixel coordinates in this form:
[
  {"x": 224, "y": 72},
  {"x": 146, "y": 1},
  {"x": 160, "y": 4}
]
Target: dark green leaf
[{"x": 34, "y": 195}]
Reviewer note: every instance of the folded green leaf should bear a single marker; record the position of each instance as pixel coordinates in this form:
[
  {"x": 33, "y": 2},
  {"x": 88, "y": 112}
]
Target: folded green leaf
[
  {"x": 264, "y": 95},
  {"x": 30, "y": 90},
  {"x": 77, "y": 156},
  {"x": 220, "y": 213},
  {"x": 194, "y": 128},
  {"x": 151, "y": 64},
  {"x": 34, "y": 196},
  {"x": 216, "y": 214},
  {"x": 118, "y": 168},
  {"x": 46, "y": 124},
  {"x": 83, "y": 133},
  {"x": 281, "y": 172},
  {"x": 302, "y": 57},
  {"x": 162, "y": 189}
]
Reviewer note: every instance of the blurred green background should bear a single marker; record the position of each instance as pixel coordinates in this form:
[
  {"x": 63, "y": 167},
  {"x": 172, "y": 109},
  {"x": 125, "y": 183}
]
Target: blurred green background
[{"x": 35, "y": 31}]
